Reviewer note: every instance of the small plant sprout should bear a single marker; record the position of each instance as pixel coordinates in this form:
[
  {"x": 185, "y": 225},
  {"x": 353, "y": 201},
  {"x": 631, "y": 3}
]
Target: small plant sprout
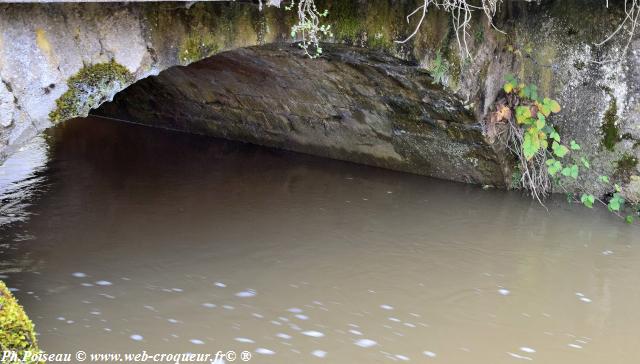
[{"x": 309, "y": 29}]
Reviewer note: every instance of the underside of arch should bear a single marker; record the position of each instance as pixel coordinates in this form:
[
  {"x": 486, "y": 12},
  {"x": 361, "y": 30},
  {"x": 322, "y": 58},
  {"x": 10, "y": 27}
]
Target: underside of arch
[{"x": 353, "y": 104}]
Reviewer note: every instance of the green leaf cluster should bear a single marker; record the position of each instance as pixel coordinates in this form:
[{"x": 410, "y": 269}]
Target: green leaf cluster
[
  {"x": 539, "y": 137},
  {"x": 439, "y": 69},
  {"x": 588, "y": 200},
  {"x": 531, "y": 114}
]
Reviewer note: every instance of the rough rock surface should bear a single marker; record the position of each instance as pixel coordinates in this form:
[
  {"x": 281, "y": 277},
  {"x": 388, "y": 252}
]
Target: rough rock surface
[
  {"x": 551, "y": 43},
  {"x": 352, "y": 104}
]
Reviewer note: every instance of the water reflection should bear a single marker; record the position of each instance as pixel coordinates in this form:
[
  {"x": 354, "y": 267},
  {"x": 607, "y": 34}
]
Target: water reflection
[{"x": 150, "y": 240}]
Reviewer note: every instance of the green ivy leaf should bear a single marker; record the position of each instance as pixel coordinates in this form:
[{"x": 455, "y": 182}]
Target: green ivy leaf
[
  {"x": 617, "y": 187},
  {"x": 559, "y": 149},
  {"x": 587, "y": 200},
  {"x": 571, "y": 171},
  {"x": 615, "y": 203},
  {"x": 544, "y": 109},
  {"x": 555, "y": 136},
  {"x": 575, "y": 171},
  {"x": 522, "y": 114},
  {"x": 574, "y": 145},
  {"x": 629, "y": 219},
  {"x": 541, "y": 121},
  {"x": 553, "y": 166},
  {"x": 531, "y": 144},
  {"x": 585, "y": 162},
  {"x": 604, "y": 179}
]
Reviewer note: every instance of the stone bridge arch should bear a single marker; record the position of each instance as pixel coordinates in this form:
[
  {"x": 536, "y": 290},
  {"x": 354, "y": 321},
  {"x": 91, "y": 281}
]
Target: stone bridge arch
[
  {"x": 352, "y": 104},
  {"x": 60, "y": 60}
]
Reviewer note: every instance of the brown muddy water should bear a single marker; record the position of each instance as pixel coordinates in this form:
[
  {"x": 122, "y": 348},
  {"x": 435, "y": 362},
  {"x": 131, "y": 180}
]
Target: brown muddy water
[{"x": 119, "y": 238}]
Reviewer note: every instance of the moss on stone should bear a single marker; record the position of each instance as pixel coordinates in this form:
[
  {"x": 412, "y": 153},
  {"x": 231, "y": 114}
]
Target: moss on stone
[
  {"x": 16, "y": 329},
  {"x": 346, "y": 23},
  {"x": 372, "y": 24},
  {"x": 197, "y": 46},
  {"x": 89, "y": 88},
  {"x": 610, "y": 132},
  {"x": 455, "y": 67},
  {"x": 626, "y": 167}
]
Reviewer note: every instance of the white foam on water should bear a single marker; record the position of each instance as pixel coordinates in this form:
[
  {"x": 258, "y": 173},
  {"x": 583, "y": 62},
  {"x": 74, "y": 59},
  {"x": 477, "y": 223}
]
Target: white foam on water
[
  {"x": 527, "y": 349},
  {"x": 313, "y": 333},
  {"x": 246, "y": 294},
  {"x": 221, "y": 285},
  {"x": 430, "y": 354},
  {"x": 366, "y": 343},
  {"x": 585, "y": 299},
  {"x": 319, "y": 353},
  {"x": 504, "y": 291},
  {"x": 386, "y": 307},
  {"x": 244, "y": 340},
  {"x": 197, "y": 342},
  {"x": 295, "y": 310},
  {"x": 103, "y": 283},
  {"x": 302, "y": 317},
  {"x": 355, "y": 332},
  {"x": 136, "y": 337},
  {"x": 265, "y": 351},
  {"x": 575, "y": 346},
  {"x": 518, "y": 356},
  {"x": 79, "y": 275},
  {"x": 283, "y": 336},
  {"x": 209, "y": 305}
]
